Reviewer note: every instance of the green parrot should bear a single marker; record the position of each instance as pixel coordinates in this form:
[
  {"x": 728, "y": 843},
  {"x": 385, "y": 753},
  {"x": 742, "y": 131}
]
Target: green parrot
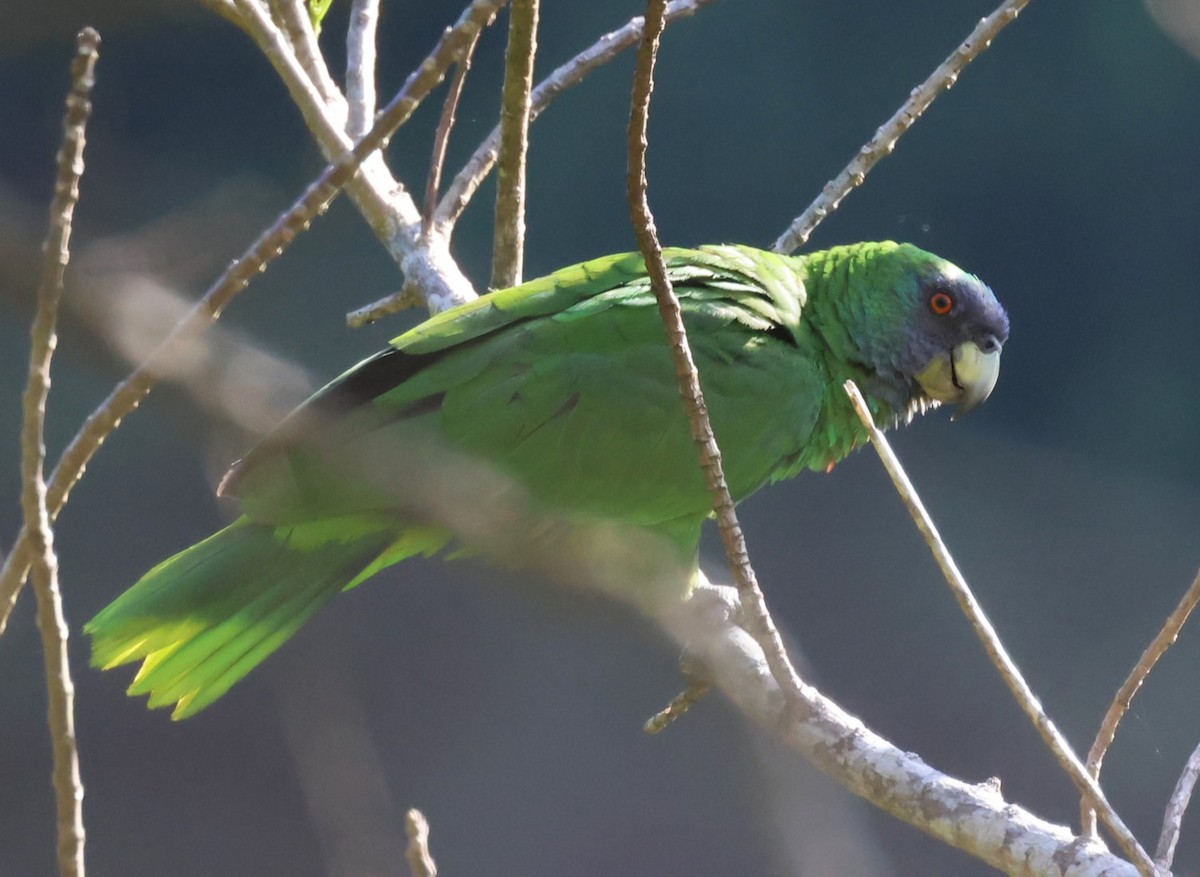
[{"x": 550, "y": 409}]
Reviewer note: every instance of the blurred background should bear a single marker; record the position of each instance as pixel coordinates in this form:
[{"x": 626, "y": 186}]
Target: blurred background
[{"x": 1064, "y": 169}]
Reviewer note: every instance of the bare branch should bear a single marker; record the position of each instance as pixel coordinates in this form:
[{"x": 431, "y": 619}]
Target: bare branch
[
  {"x": 129, "y": 393},
  {"x": 508, "y": 242},
  {"x": 609, "y": 46},
  {"x": 441, "y": 140},
  {"x": 1162, "y": 641},
  {"x": 419, "y": 858},
  {"x": 384, "y": 202},
  {"x": 972, "y": 818},
  {"x": 759, "y": 621},
  {"x": 1164, "y": 855},
  {"x": 311, "y": 88},
  {"x": 433, "y": 240},
  {"x": 885, "y": 138},
  {"x": 360, "y": 66},
  {"x": 999, "y": 656},
  {"x": 292, "y": 18},
  {"x": 68, "y": 785}
]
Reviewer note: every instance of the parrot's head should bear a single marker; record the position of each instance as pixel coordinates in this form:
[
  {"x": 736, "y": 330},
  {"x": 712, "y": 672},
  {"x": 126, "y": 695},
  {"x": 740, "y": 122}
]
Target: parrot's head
[
  {"x": 933, "y": 331},
  {"x": 960, "y": 329}
]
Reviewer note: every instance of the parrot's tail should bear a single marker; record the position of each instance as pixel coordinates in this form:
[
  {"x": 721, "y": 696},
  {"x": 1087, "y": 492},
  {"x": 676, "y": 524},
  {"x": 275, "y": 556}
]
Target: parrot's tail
[{"x": 206, "y": 617}]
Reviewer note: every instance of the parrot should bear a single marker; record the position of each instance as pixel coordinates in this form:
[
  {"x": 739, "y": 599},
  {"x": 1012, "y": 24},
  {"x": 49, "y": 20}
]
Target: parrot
[{"x": 555, "y": 401}]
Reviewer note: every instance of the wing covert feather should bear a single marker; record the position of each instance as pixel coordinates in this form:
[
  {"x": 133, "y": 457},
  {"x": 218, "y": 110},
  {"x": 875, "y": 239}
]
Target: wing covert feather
[{"x": 566, "y": 385}]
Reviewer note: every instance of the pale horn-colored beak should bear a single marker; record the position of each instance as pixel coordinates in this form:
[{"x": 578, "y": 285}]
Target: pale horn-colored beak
[{"x": 965, "y": 376}]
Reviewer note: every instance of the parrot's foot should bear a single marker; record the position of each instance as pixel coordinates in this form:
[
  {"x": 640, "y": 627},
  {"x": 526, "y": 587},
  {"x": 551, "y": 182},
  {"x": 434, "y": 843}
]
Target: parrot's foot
[
  {"x": 719, "y": 604},
  {"x": 708, "y": 606}
]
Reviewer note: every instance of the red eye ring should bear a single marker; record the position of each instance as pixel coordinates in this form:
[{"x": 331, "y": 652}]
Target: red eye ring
[{"x": 941, "y": 303}]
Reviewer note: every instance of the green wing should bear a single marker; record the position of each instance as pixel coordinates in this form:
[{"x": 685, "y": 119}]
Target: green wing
[
  {"x": 767, "y": 286},
  {"x": 558, "y": 394},
  {"x": 566, "y": 386}
]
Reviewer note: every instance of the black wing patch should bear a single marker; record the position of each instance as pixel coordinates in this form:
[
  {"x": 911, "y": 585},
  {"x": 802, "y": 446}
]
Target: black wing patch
[
  {"x": 782, "y": 333},
  {"x": 372, "y": 378}
]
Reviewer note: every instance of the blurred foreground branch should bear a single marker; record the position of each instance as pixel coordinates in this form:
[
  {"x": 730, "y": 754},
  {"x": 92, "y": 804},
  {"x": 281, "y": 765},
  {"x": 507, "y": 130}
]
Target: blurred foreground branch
[
  {"x": 128, "y": 394},
  {"x": 419, "y": 858}
]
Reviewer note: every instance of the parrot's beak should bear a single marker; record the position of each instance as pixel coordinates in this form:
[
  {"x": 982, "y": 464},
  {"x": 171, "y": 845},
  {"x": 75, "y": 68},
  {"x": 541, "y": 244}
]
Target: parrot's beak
[{"x": 966, "y": 376}]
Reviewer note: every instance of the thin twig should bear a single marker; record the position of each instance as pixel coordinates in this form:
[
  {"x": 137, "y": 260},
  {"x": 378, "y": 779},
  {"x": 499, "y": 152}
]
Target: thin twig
[
  {"x": 996, "y": 652},
  {"x": 441, "y": 138},
  {"x": 759, "y": 621},
  {"x": 324, "y": 109},
  {"x": 508, "y": 240},
  {"x": 462, "y": 188},
  {"x": 392, "y": 303},
  {"x": 68, "y": 785},
  {"x": 360, "y": 66},
  {"x": 416, "y": 826},
  {"x": 680, "y": 704},
  {"x": 885, "y": 138},
  {"x": 292, "y": 18},
  {"x": 1164, "y": 855},
  {"x": 129, "y": 392},
  {"x": 1162, "y": 641},
  {"x": 224, "y": 8}
]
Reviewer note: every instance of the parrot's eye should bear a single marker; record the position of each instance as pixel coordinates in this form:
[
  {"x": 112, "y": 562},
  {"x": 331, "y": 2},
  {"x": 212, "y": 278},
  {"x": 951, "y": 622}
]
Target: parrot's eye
[{"x": 941, "y": 303}]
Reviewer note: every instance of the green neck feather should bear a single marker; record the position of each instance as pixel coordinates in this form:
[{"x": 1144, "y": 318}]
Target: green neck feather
[{"x": 852, "y": 329}]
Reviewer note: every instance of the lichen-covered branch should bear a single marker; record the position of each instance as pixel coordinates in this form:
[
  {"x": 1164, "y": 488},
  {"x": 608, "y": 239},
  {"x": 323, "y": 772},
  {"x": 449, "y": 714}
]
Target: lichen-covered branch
[
  {"x": 885, "y": 138},
  {"x": 972, "y": 818},
  {"x": 995, "y": 649}
]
